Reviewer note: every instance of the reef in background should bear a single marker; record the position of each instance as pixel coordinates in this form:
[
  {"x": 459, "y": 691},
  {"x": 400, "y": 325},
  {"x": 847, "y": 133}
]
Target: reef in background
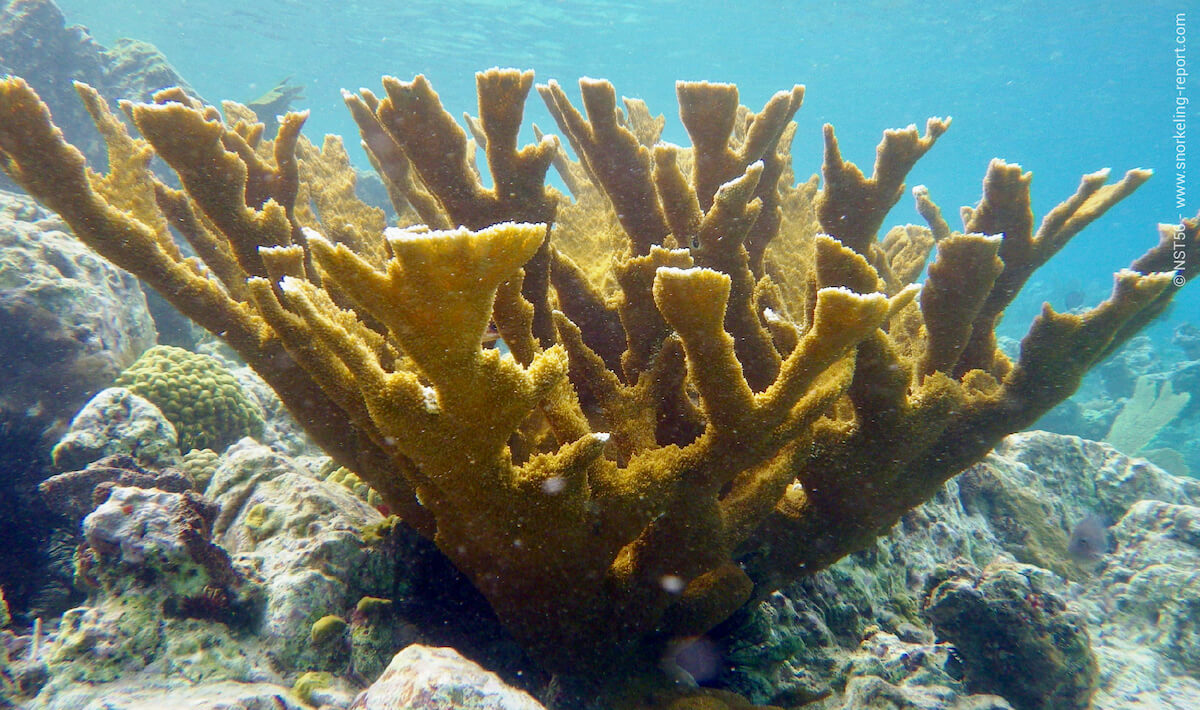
[
  {"x": 37, "y": 43},
  {"x": 719, "y": 382}
]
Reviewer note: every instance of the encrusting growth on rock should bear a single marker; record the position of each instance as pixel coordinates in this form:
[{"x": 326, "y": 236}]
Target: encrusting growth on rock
[{"x": 719, "y": 381}]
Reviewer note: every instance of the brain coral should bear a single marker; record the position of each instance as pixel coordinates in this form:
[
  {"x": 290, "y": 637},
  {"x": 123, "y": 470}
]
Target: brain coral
[
  {"x": 196, "y": 393},
  {"x": 201, "y": 464}
]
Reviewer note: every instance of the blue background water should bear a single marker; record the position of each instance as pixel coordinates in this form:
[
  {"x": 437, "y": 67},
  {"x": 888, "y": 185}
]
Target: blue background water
[{"x": 1063, "y": 88}]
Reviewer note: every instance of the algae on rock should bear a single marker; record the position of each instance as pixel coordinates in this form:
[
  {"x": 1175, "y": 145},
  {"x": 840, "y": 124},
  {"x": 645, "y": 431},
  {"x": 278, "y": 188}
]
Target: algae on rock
[{"x": 718, "y": 381}]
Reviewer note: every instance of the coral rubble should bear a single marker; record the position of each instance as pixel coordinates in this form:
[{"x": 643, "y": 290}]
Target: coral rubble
[{"x": 719, "y": 381}]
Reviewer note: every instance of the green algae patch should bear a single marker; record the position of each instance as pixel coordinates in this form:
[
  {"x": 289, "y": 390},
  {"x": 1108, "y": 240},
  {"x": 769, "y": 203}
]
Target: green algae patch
[
  {"x": 307, "y": 683},
  {"x": 262, "y": 521},
  {"x": 328, "y": 628},
  {"x": 373, "y": 606},
  {"x": 381, "y": 532}
]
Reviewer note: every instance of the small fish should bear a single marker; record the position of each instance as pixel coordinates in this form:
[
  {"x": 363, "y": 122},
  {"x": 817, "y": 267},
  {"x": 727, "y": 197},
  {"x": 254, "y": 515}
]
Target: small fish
[
  {"x": 490, "y": 336},
  {"x": 277, "y": 101},
  {"x": 1074, "y": 300},
  {"x": 693, "y": 662},
  {"x": 1089, "y": 539}
]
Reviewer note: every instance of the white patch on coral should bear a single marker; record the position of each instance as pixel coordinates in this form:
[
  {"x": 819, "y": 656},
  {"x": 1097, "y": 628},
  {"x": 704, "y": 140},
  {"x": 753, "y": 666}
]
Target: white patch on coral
[{"x": 431, "y": 400}]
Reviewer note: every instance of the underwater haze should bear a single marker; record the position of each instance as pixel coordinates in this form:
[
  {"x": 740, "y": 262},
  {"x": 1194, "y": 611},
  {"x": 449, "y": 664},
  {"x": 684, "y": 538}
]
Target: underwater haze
[{"x": 1063, "y": 88}]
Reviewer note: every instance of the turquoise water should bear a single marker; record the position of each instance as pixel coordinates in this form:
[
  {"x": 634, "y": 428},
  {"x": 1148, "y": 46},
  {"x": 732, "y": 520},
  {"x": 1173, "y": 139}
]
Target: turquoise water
[{"x": 1063, "y": 88}]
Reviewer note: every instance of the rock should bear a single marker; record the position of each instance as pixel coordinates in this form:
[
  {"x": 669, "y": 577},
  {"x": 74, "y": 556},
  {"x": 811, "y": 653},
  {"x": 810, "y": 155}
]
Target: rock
[
  {"x": 304, "y": 535},
  {"x": 118, "y": 422},
  {"x": 1140, "y": 630},
  {"x": 180, "y": 693},
  {"x": 159, "y": 581},
  {"x": 165, "y": 602},
  {"x": 1026, "y": 496},
  {"x": 1138, "y": 357},
  {"x": 1006, "y": 621},
  {"x": 1035, "y": 488},
  {"x": 849, "y": 637},
  {"x": 37, "y": 44},
  {"x": 158, "y": 544},
  {"x": 1187, "y": 337},
  {"x": 885, "y": 671},
  {"x": 1153, "y": 579},
  {"x": 795, "y": 647},
  {"x": 136, "y": 70},
  {"x": 783, "y": 651},
  {"x": 426, "y": 678},
  {"x": 71, "y": 321},
  {"x": 74, "y": 494},
  {"x": 375, "y": 632}
]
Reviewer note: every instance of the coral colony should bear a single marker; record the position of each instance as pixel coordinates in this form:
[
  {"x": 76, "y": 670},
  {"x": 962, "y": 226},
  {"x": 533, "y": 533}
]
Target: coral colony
[{"x": 718, "y": 380}]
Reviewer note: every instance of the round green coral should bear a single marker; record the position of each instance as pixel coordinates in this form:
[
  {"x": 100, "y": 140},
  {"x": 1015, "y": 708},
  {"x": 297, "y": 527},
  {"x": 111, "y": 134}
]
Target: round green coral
[
  {"x": 310, "y": 682},
  {"x": 328, "y": 628},
  {"x": 196, "y": 394},
  {"x": 201, "y": 464}
]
